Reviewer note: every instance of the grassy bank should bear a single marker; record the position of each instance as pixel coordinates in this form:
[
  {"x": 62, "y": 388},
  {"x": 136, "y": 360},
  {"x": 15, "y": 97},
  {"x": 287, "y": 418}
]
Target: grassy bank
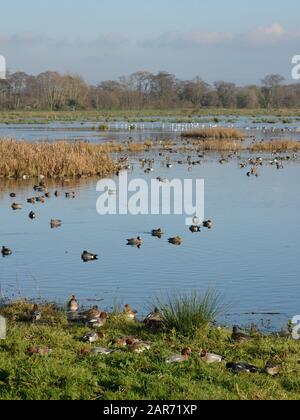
[
  {"x": 68, "y": 374},
  {"x": 40, "y": 116}
]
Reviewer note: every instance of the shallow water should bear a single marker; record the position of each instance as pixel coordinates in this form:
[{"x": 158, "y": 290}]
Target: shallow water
[
  {"x": 158, "y": 130},
  {"x": 251, "y": 255}
]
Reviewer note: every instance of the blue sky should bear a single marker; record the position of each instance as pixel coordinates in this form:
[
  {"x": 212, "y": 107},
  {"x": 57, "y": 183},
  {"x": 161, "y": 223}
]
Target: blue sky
[{"x": 103, "y": 39}]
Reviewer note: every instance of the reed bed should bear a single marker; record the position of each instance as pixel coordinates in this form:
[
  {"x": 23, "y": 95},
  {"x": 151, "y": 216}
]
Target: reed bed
[
  {"x": 275, "y": 146},
  {"x": 219, "y": 145},
  {"x": 54, "y": 160},
  {"x": 219, "y": 133}
]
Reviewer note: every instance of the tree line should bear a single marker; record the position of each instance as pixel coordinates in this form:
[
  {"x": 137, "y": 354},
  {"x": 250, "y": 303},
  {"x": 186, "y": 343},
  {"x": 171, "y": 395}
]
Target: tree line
[{"x": 141, "y": 90}]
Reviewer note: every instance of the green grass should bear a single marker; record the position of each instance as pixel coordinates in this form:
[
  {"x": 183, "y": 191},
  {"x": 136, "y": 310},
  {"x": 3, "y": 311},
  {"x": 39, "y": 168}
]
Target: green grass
[
  {"x": 67, "y": 375},
  {"x": 187, "y": 313},
  {"x": 188, "y": 114}
]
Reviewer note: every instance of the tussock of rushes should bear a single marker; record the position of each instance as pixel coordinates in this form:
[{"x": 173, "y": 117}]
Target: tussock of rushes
[
  {"x": 59, "y": 159},
  {"x": 275, "y": 146},
  {"x": 186, "y": 313},
  {"x": 220, "y": 145},
  {"x": 214, "y": 133},
  {"x": 136, "y": 148}
]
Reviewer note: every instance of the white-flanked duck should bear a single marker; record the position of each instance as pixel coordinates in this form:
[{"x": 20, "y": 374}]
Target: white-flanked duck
[
  {"x": 91, "y": 337},
  {"x": 210, "y": 358},
  {"x": 6, "y": 251},
  {"x": 88, "y": 256},
  {"x": 180, "y": 358}
]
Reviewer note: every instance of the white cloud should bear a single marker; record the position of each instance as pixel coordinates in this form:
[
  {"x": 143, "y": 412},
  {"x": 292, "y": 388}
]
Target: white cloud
[
  {"x": 178, "y": 39},
  {"x": 269, "y": 34}
]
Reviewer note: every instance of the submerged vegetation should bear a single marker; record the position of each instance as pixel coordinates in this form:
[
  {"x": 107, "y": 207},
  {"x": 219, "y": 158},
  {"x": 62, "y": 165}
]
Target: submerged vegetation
[{"x": 71, "y": 372}]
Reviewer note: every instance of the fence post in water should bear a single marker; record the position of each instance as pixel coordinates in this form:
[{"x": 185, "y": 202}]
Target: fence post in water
[{"x": 2, "y": 328}]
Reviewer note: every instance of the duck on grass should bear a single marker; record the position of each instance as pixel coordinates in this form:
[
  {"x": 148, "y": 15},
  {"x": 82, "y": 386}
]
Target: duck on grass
[{"x": 177, "y": 347}]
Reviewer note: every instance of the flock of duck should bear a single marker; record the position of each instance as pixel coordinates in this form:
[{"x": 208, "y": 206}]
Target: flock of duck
[
  {"x": 41, "y": 187},
  {"x": 87, "y": 256},
  {"x": 157, "y": 233},
  {"x": 97, "y": 319}
]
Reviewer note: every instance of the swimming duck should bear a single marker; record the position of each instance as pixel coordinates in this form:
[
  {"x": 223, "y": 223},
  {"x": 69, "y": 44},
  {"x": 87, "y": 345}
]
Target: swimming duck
[
  {"x": 239, "y": 336},
  {"x": 73, "y": 305},
  {"x": 99, "y": 322},
  {"x": 6, "y": 251},
  {"x": 91, "y": 337},
  {"x": 16, "y": 206},
  {"x": 210, "y": 358},
  {"x": 138, "y": 347},
  {"x": 135, "y": 242},
  {"x": 195, "y": 229},
  {"x": 93, "y": 313},
  {"x": 31, "y": 200},
  {"x": 129, "y": 312},
  {"x": 12, "y": 195},
  {"x": 175, "y": 241},
  {"x": 48, "y": 195},
  {"x": 162, "y": 180},
  {"x": 272, "y": 369},
  {"x": 154, "y": 319},
  {"x": 41, "y": 199},
  {"x": 55, "y": 223},
  {"x": 241, "y": 367},
  {"x": 39, "y": 351},
  {"x": 32, "y": 215},
  {"x": 35, "y": 315},
  {"x": 208, "y": 224},
  {"x": 70, "y": 194},
  {"x": 57, "y": 194},
  {"x": 185, "y": 354},
  {"x": 157, "y": 233},
  {"x": 88, "y": 256}
]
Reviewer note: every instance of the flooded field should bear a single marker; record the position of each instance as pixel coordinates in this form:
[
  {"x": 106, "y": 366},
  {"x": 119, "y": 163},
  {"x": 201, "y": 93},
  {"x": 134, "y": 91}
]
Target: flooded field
[{"x": 250, "y": 255}]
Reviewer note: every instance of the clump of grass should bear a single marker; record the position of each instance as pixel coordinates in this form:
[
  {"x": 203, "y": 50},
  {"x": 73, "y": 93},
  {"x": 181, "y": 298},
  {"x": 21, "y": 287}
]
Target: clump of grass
[
  {"x": 219, "y": 145},
  {"x": 219, "y": 133},
  {"x": 275, "y": 146},
  {"x": 187, "y": 313},
  {"x": 53, "y": 160},
  {"x": 136, "y": 147},
  {"x": 103, "y": 127}
]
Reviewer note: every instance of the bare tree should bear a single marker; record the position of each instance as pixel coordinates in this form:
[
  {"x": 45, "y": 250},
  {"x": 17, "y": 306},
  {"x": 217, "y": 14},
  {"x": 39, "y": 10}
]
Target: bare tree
[{"x": 272, "y": 91}]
